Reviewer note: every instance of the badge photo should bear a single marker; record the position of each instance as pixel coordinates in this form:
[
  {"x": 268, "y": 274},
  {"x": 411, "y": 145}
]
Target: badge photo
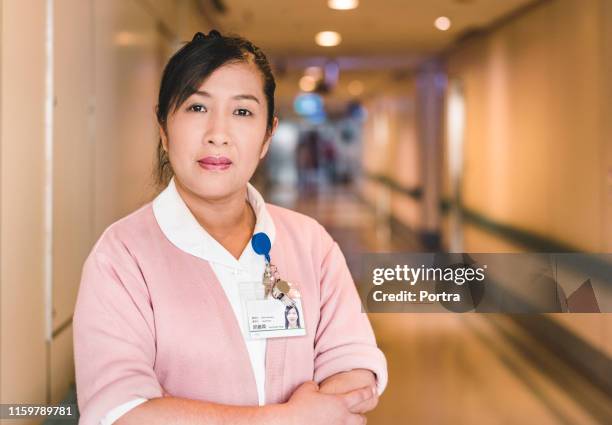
[{"x": 270, "y": 318}]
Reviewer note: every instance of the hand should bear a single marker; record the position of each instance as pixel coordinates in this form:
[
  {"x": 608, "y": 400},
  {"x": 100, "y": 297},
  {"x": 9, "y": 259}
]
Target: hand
[
  {"x": 347, "y": 381},
  {"x": 309, "y": 406}
]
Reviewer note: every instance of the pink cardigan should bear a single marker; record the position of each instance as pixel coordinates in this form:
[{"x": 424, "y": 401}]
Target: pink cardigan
[{"x": 150, "y": 315}]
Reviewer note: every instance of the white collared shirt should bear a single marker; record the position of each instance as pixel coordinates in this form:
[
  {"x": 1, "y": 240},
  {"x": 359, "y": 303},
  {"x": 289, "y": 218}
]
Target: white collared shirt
[{"x": 183, "y": 230}]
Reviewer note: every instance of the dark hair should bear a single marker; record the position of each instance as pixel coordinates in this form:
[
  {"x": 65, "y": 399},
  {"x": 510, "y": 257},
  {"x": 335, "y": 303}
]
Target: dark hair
[
  {"x": 191, "y": 65},
  {"x": 289, "y": 308}
]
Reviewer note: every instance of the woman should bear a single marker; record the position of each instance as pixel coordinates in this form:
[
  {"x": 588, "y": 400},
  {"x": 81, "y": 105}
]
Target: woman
[
  {"x": 292, "y": 317},
  {"x": 161, "y": 324}
]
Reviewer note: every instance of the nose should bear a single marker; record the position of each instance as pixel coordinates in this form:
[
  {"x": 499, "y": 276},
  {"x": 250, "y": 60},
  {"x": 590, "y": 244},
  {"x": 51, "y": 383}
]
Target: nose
[{"x": 217, "y": 130}]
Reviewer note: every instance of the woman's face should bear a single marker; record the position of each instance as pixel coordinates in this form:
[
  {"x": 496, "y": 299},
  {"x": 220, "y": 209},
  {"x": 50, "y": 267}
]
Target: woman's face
[
  {"x": 217, "y": 136},
  {"x": 292, "y": 317}
]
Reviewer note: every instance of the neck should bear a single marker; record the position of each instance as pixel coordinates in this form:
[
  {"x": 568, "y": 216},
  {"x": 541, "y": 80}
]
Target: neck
[{"x": 223, "y": 218}]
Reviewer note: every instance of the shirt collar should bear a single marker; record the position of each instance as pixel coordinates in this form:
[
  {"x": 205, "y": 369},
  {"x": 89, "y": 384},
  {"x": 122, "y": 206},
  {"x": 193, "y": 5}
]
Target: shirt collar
[{"x": 183, "y": 230}]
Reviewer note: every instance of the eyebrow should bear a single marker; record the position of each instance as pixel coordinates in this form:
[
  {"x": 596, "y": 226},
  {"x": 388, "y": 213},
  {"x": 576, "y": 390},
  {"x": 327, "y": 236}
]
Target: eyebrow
[{"x": 237, "y": 97}]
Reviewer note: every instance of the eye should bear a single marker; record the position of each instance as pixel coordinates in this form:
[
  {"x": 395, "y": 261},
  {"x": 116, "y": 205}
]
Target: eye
[
  {"x": 242, "y": 112},
  {"x": 197, "y": 108}
]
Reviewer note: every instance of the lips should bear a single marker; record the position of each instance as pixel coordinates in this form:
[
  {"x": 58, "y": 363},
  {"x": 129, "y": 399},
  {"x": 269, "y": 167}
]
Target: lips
[
  {"x": 215, "y": 160},
  {"x": 216, "y": 163}
]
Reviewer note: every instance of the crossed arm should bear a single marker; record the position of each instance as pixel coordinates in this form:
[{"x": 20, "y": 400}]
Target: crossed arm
[
  {"x": 342, "y": 398},
  {"x": 344, "y": 382}
]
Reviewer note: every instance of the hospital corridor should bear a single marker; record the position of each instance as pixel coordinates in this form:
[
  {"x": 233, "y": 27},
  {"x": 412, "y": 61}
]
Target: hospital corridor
[{"x": 405, "y": 127}]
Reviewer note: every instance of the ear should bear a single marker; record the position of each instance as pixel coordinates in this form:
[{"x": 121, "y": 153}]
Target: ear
[
  {"x": 266, "y": 144},
  {"x": 163, "y": 137}
]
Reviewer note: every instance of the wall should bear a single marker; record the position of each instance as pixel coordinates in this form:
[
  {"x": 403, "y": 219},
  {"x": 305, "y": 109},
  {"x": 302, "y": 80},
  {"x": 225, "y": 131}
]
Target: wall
[
  {"x": 401, "y": 149},
  {"x": 392, "y": 151},
  {"x": 537, "y": 154},
  {"x": 534, "y": 141},
  {"x": 22, "y": 164}
]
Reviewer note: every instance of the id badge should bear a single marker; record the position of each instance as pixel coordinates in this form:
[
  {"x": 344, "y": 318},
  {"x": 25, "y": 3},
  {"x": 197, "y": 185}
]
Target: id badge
[{"x": 269, "y": 317}]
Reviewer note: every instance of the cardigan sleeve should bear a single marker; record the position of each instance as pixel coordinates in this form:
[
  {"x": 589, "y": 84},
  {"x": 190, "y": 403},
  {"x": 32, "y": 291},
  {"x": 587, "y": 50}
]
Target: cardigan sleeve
[
  {"x": 344, "y": 339},
  {"x": 114, "y": 334}
]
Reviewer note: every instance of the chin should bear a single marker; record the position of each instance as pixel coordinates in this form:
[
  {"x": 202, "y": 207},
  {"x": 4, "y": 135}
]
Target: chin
[
  {"x": 213, "y": 191},
  {"x": 210, "y": 185},
  {"x": 212, "y": 188}
]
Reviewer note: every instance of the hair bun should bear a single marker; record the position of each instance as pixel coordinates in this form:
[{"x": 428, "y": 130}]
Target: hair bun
[{"x": 198, "y": 36}]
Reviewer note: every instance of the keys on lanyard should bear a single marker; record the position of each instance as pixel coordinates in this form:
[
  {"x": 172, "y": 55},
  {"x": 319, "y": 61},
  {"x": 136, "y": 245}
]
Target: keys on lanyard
[
  {"x": 268, "y": 278},
  {"x": 273, "y": 284}
]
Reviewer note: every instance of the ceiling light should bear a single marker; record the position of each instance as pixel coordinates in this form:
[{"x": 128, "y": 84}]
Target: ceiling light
[
  {"x": 442, "y": 23},
  {"x": 328, "y": 38},
  {"x": 342, "y": 4}
]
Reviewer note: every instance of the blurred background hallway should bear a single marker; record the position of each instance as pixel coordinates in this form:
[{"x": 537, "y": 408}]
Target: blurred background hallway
[{"x": 406, "y": 126}]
